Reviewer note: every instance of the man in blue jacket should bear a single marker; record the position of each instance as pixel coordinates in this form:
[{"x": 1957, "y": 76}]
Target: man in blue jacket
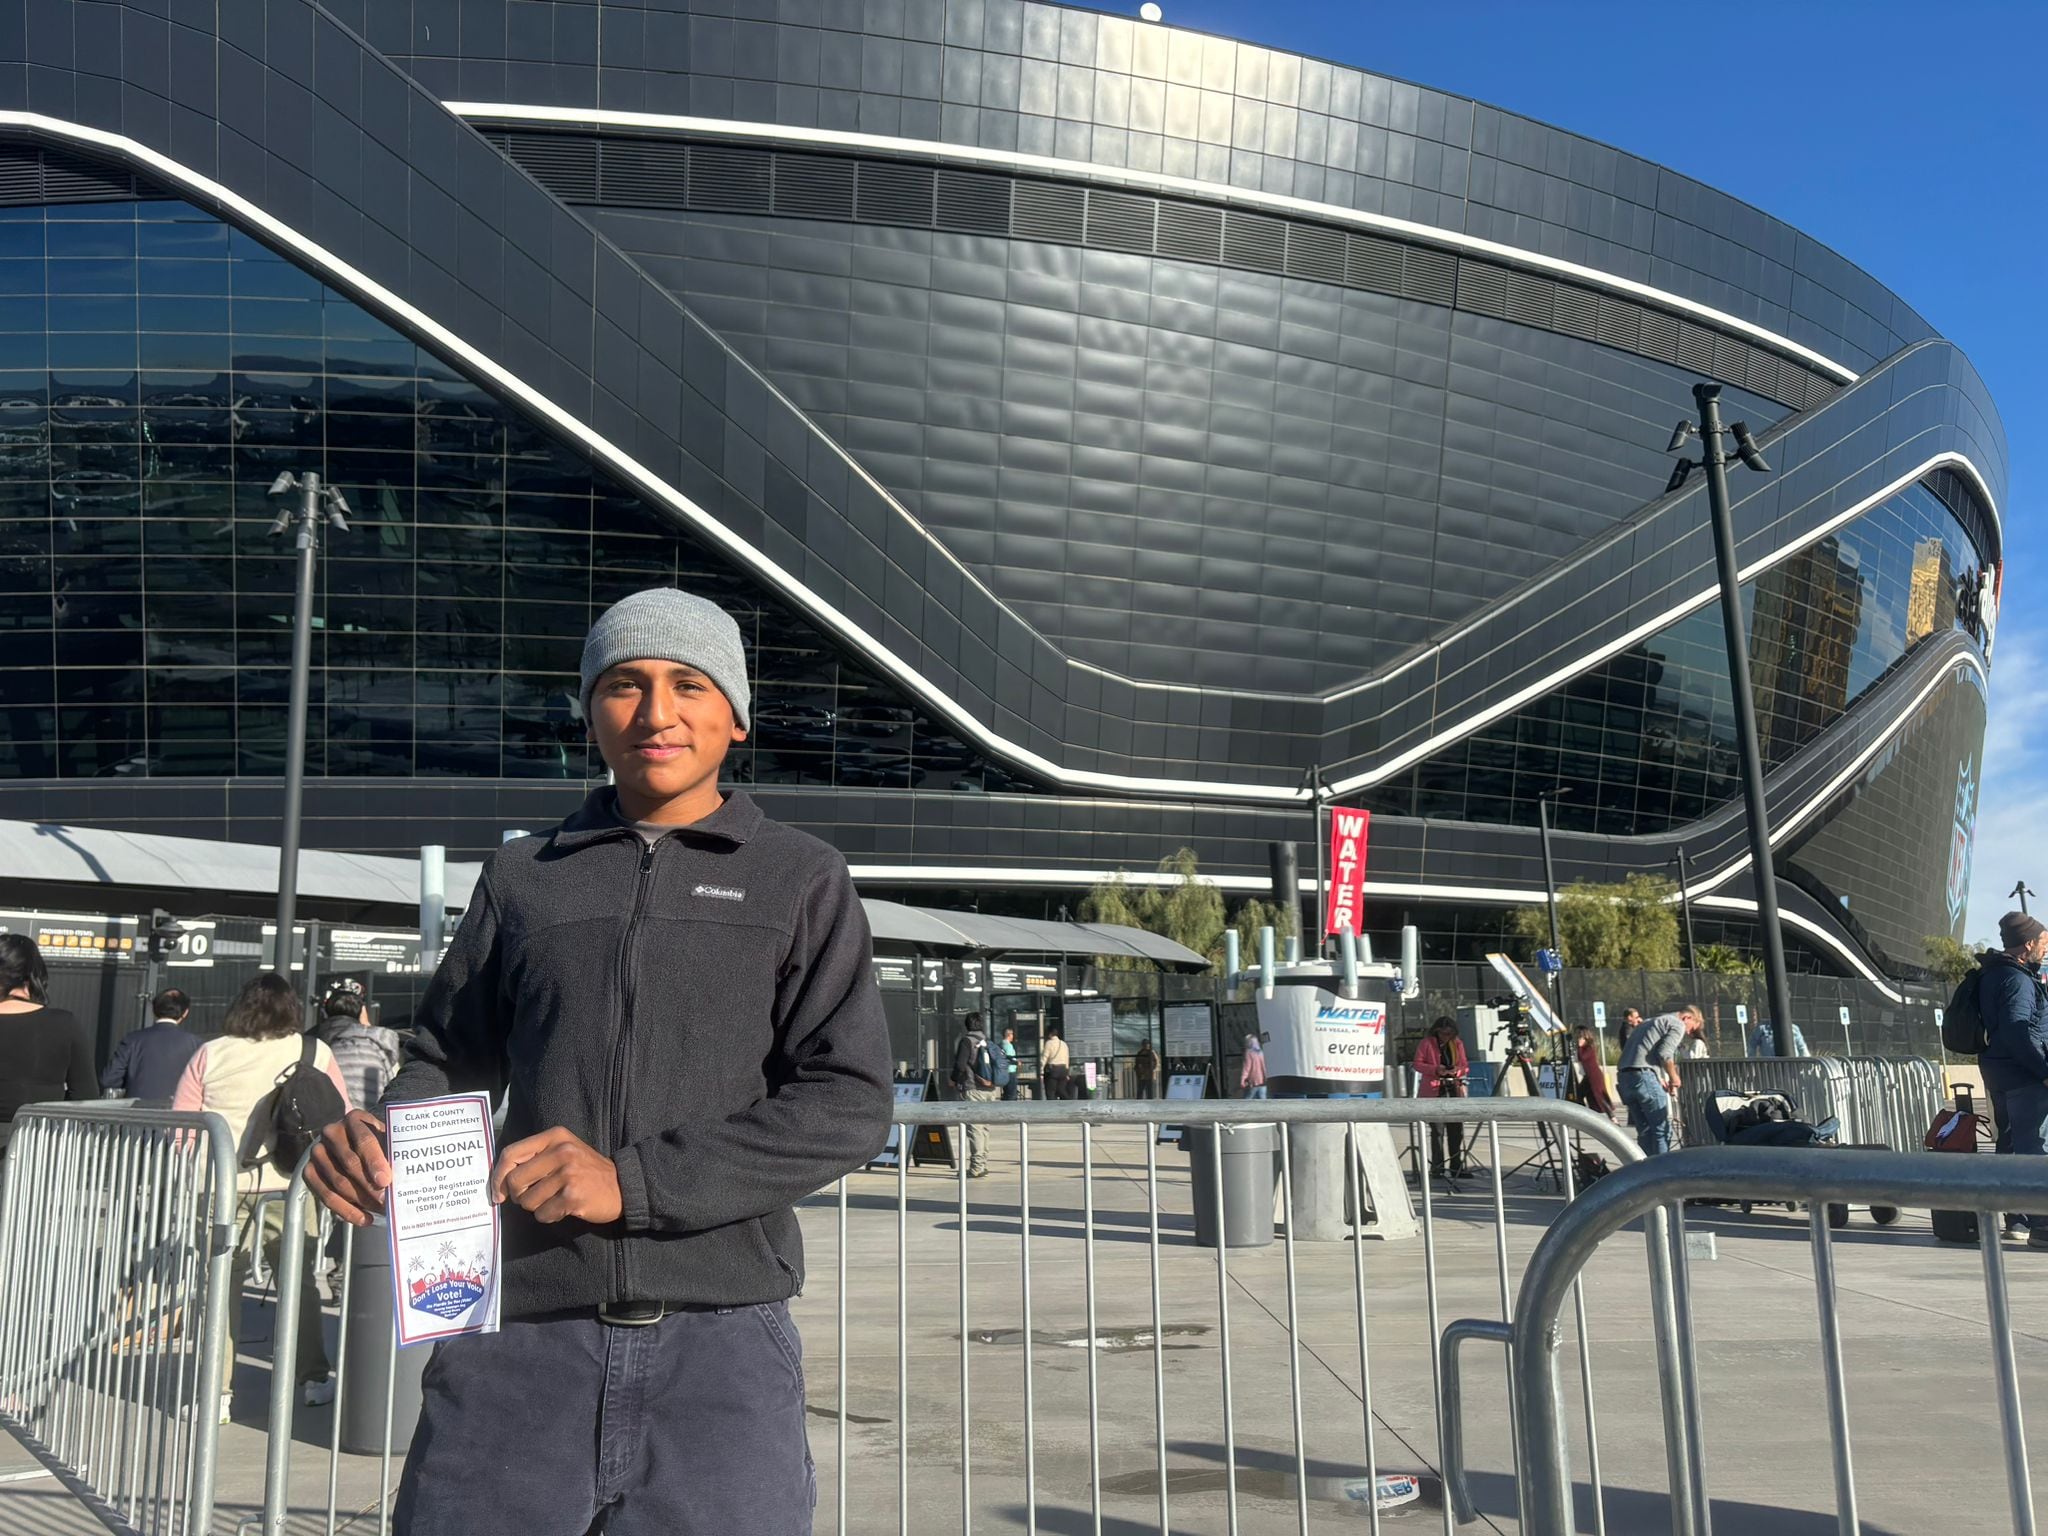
[
  {"x": 148, "y": 1062},
  {"x": 2015, "y": 1059}
]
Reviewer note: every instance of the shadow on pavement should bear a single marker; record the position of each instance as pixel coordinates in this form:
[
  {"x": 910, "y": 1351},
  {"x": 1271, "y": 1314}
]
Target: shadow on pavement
[{"x": 1637, "y": 1509}]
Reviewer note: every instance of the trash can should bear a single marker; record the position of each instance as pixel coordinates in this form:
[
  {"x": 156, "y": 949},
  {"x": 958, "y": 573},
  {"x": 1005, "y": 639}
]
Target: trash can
[
  {"x": 369, "y": 1354},
  {"x": 1243, "y": 1208}
]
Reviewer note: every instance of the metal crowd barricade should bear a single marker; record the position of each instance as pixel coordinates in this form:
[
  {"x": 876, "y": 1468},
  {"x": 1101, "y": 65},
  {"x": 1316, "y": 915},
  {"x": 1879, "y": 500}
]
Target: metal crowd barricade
[
  {"x": 1988, "y": 1186},
  {"x": 1905, "y": 1093},
  {"x": 1818, "y": 1084},
  {"x": 1100, "y": 1124},
  {"x": 116, "y": 1237},
  {"x": 1884, "y": 1101}
]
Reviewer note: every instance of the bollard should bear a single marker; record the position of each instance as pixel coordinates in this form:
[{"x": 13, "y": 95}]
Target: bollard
[{"x": 369, "y": 1354}]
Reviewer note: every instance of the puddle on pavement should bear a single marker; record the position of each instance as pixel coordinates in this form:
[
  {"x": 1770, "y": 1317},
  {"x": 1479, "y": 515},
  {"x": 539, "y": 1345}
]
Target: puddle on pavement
[
  {"x": 1402, "y": 1494},
  {"x": 1110, "y": 1340}
]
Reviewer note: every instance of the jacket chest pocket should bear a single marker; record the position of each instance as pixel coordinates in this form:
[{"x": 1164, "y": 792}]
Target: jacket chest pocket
[{"x": 703, "y": 1001}]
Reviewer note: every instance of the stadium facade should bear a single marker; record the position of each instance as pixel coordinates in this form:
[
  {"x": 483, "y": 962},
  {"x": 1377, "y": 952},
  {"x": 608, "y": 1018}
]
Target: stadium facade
[{"x": 1098, "y": 425}]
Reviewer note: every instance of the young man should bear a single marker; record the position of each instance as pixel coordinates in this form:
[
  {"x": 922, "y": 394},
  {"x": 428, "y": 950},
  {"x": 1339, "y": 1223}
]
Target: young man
[
  {"x": 676, "y": 996},
  {"x": 147, "y": 1064},
  {"x": 1647, "y": 1076},
  {"x": 2015, "y": 1057},
  {"x": 974, "y": 1077}
]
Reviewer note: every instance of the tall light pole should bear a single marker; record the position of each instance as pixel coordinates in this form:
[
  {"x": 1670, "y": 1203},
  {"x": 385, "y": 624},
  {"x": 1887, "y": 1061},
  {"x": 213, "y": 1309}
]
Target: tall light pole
[
  {"x": 1543, "y": 799},
  {"x": 318, "y": 505},
  {"x": 1315, "y": 801},
  {"x": 2020, "y": 893},
  {"x": 1714, "y": 457},
  {"x": 1692, "y": 950}
]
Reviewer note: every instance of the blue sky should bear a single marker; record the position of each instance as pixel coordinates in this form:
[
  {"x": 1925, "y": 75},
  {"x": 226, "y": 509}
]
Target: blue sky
[{"x": 1907, "y": 136}]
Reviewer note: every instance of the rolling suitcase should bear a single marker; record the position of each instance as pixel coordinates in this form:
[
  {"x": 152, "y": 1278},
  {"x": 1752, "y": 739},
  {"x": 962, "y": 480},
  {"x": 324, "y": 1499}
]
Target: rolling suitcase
[{"x": 1956, "y": 1130}]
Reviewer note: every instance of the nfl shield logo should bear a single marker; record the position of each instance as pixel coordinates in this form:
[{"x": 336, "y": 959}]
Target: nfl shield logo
[{"x": 1959, "y": 845}]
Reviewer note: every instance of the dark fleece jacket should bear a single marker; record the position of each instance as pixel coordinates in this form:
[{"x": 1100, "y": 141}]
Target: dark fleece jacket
[{"x": 702, "y": 1010}]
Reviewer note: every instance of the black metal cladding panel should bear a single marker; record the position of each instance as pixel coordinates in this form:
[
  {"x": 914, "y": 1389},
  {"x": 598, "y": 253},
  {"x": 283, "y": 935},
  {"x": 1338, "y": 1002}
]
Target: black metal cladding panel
[
  {"x": 30, "y": 176},
  {"x": 1620, "y": 325},
  {"x": 1064, "y": 82},
  {"x": 1429, "y": 275},
  {"x": 1190, "y": 231},
  {"x": 1530, "y": 300},
  {"x": 1657, "y": 335},
  {"x": 644, "y": 173},
  {"x": 1117, "y": 221},
  {"x": 1315, "y": 252},
  {"x": 892, "y": 193},
  {"x": 1215, "y": 487},
  {"x": 979, "y": 202},
  {"x": 1255, "y": 241},
  {"x": 973, "y": 203},
  {"x": 732, "y": 180},
  {"x": 565, "y": 163},
  {"x": 812, "y": 187},
  {"x": 1482, "y": 287},
  {"x": 1049, "y": 210},
  {"x": 1373, "y": 263},
  {"x": 1576, "y": 312}
]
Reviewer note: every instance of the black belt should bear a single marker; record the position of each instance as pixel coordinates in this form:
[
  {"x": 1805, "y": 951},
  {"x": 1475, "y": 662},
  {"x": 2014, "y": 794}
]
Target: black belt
[{"x": 644, "y": 1314}]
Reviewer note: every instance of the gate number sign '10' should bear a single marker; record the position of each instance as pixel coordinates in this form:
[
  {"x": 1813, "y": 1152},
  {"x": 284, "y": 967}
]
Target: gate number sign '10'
[{"x": 1344, "y": 902}]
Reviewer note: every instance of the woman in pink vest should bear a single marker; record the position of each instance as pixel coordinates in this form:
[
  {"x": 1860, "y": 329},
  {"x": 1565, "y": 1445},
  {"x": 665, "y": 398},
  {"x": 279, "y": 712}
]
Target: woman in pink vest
[
  {"x": 1252, "y": 1078},
  {"x": 1441, "y": 1071}
]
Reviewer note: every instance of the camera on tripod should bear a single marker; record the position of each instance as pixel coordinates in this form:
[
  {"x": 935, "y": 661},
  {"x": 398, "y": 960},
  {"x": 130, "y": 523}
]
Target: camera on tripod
[{"x": 1515, "y": 1025}]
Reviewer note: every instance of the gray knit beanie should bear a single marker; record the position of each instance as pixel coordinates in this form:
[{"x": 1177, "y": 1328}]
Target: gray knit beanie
[{"x": 662, "y": 624}]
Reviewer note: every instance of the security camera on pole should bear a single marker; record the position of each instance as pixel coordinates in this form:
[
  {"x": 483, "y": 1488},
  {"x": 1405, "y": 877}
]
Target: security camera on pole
[
  {"x": 318, "y": 505},
  {"x": 1714, "y": 457}
]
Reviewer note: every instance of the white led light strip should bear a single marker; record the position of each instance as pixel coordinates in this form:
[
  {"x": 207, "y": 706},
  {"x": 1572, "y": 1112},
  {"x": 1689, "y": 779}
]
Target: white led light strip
[{"x": 332, "y": 266}]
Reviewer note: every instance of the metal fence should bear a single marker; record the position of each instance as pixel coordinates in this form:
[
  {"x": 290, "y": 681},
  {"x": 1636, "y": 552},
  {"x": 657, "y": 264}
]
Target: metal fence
[
  {"x": 1988, "y": 1186},
  {"x": 115, "y": 1242},
  {"x": 1880, "y": 1022},
  {"x": 1877, "y": 1101},
  {"x": 969, "y": 1373},
  {"x": 1032, "y": 1358}
]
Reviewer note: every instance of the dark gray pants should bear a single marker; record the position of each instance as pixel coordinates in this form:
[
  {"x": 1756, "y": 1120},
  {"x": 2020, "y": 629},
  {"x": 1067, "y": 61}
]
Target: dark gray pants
[{"x": 693, "y": 1426}]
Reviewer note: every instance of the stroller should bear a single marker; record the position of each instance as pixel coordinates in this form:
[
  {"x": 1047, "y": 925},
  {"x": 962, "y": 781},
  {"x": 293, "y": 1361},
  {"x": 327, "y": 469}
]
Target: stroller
[{"x": 1772, "y": 1120}]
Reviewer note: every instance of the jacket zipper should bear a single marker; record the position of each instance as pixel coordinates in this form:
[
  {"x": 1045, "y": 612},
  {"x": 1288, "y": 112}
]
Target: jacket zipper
[{"x": 622, "y": 1051}]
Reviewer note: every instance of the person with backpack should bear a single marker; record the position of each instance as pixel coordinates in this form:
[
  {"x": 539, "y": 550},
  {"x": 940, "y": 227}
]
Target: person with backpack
[
  {"x": 277, "y": 1088},
  {"x": 368, "y": 1053},
  {"x": 675, "y": 995},
  {"x": 974, "y": 1077},
  {"x": 2013, "y": 1012}
]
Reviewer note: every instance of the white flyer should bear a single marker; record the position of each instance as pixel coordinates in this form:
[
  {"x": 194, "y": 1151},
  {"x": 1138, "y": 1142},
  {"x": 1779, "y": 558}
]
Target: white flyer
[{"x": 444, "y": 1228}]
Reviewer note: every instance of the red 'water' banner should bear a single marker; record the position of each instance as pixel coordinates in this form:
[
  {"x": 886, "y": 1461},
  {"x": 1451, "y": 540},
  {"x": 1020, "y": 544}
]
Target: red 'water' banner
[{"x": 1344, "y": 901}]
